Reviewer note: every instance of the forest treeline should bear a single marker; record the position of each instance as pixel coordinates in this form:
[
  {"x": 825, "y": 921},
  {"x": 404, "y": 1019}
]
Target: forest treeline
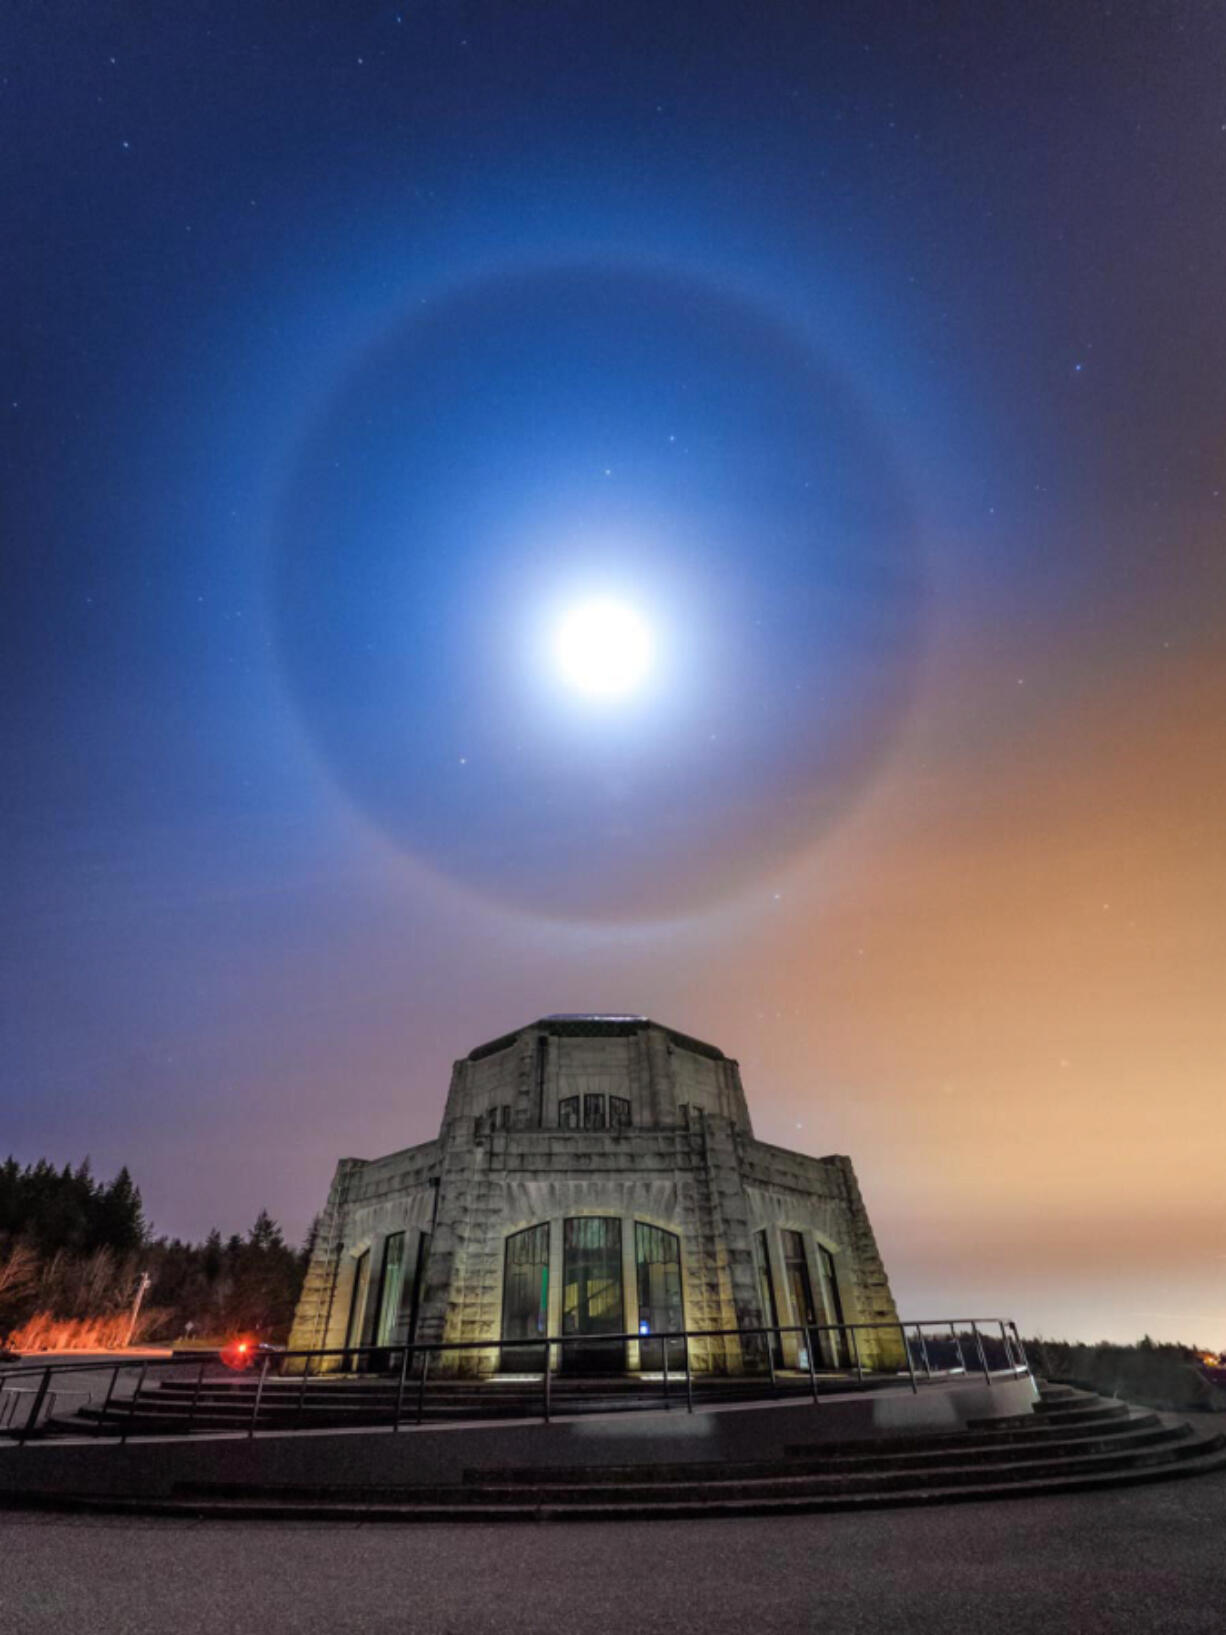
[{"x": 73, "y": 1250}]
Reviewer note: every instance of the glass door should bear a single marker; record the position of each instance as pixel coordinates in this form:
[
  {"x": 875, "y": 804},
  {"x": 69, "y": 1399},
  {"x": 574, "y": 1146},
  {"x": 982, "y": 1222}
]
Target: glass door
[
  {"x": 592, "y": 1294},
  {"x": 800, "y": 1287}
]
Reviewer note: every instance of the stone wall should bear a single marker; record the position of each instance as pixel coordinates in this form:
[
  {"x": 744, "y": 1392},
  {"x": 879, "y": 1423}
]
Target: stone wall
[
  {"x": 821, "y": 1196},
  {"x": 659, "y": 1071},
  {"x": 368, "y": 1200}
]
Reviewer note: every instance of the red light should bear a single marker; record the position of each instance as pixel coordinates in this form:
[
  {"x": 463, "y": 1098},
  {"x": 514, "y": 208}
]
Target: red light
[{"x": 242, "y": 1345}]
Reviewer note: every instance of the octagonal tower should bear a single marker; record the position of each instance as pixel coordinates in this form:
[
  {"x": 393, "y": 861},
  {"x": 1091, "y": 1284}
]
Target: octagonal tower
[{"x": 596, "y": 1178}]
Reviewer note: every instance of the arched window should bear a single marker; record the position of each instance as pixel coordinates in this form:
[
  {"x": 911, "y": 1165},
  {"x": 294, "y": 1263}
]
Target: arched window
[
  {"x": 525, "y": 1299},
  {"x": 657, "y": 1256},
  {"x": 592, "y": 1294}
]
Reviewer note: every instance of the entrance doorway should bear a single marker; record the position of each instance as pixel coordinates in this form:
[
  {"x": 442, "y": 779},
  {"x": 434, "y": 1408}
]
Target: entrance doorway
[
  {"x": 800, "y": 1286},
  {"x": 592, "y": 1295}
]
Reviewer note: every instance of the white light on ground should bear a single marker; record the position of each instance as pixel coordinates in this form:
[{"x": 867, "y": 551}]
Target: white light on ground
[{"x": 603, "y": 649}]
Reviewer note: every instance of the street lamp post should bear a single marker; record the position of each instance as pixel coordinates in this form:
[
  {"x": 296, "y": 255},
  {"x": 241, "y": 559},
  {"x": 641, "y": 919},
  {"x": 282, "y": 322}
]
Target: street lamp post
[{"x": 141, "y": 1287}]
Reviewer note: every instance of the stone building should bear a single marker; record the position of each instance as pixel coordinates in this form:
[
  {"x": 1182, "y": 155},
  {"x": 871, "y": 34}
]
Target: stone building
[{"x": 594, "y": 1176}]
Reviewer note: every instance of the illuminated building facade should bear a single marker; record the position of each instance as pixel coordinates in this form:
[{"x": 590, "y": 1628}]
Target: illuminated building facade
[{"x": 595, "y": 1176}]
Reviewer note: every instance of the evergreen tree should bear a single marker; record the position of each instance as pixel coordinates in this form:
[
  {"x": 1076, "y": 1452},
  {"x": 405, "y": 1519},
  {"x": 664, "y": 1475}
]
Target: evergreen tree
[
  {"x": 72, "y": 1248},
  {"x": 119, "y": 1219}
]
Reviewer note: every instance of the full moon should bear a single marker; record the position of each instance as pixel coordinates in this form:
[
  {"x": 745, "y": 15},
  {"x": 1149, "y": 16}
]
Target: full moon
[{"x": 603, "y": 649}]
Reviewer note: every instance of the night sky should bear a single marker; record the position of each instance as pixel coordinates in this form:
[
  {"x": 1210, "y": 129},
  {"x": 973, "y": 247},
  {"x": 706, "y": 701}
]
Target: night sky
[{"x": 871, "y": 357}]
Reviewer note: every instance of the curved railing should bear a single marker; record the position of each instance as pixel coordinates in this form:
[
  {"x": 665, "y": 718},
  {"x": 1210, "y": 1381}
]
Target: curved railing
[{"x": 824, "y": 1356}]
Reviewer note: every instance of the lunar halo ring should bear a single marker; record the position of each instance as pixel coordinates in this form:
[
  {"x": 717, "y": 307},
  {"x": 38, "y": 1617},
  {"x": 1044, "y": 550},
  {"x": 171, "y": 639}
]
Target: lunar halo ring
[{"x": 584, "y": 429}]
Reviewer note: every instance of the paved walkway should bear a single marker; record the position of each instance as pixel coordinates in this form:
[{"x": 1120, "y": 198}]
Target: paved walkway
[{"x": 1150, "y": 1559}]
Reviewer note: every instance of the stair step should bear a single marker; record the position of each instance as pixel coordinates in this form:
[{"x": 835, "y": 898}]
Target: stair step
[
  {"x": 716, "y": 1489},
  {"x": 885, "y": 1460},
  {"x": 1100, "y": 1411},
  {"x": 1209, "y": 1459},
  {"x": 167, "y": 1412},
  {"x": 1085, "y": 1443}
]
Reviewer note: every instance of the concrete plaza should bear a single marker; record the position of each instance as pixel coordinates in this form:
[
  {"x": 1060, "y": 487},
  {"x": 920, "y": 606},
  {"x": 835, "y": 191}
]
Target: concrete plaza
[{"x": 1139, "y": 1559}]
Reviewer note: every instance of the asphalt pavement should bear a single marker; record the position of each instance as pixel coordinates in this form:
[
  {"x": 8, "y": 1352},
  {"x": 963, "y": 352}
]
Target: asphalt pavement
[{"x": 1146, "y": 1559}]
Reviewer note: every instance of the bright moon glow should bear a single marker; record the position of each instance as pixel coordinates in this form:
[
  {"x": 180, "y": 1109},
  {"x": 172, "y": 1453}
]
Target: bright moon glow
[{"x": 603, "y": 649}]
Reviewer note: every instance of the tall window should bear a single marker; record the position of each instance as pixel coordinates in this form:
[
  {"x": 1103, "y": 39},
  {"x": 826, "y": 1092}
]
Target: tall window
[
  {"x": 796, "y": 1269},
  {"x": 835, "y": 1348},
  {"x": 413, "y": 1291},
  {"x": 592, "y": 1292},
  {"x": 357, "y": 1303},
  {"x": 525, "y": 1298},
  {"x": 593, "y": 1112},
  {"x": 589, "y": 1112},
  {"x": 766, "y": 1292},
  {"x": 657, "y": 1256},
  {"x": 391, "y": 1283}
]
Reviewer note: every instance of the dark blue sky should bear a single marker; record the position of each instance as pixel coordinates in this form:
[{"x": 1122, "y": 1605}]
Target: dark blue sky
[{"x": 876, "y": 353}]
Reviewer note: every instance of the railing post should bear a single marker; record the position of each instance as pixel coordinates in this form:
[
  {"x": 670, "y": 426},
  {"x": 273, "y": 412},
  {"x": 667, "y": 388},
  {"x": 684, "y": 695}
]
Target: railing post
[
  {"x": 855, "y": 1351},
  {"x": 1006, "y": 1347},
  {"x": 809, "y": 1355},
  {"x": 770, "y": 1356},
  {"x": 548, "y": 1374},
  {"x": 404, "y": 1369},
  {"x": 1021, "y": 1348},
  {"x": 140, "y": 1380},
  {"x": 302, "y": 1391},
  {"x": 910, "y": 1362},
  {"x": 957, "y": 1338},
  {"x": 923, "y": 1351},
  {"x": 421, "y": 1388},
  {"x": 689, "y": 1379},
  {"x": 191, "y": 1412},
  {"x": 987, "y": 1372},
  {"x": 1011, "y": 1351},
  {"x": 664, "y": 1357},
  {"x": 36, "y": 1407},
  {"x": 259, "y": 1392},
  {"x": 106, "y": 1401}
]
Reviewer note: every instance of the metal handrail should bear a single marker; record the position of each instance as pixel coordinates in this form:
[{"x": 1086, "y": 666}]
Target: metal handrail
[
  {"x": 497, "y": 1342},
  {"x": 407, "y": 1351}
]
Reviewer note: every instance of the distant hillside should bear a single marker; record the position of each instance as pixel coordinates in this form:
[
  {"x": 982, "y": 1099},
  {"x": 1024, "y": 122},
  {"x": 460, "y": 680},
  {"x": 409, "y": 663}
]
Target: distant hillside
[{"x": 1156, "y": 1375}]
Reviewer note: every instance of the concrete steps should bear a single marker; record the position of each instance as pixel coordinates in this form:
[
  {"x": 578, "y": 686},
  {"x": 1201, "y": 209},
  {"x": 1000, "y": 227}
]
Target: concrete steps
[
  {"x": 1071, "y": 1443},
  {"x": 166, "y": 1406}
]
